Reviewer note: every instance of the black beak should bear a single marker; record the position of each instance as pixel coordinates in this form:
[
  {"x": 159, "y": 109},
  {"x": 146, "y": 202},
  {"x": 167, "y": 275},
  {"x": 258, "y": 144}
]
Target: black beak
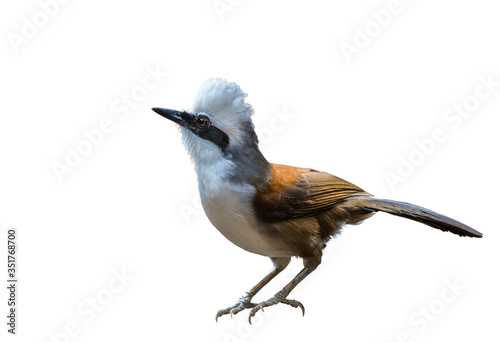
[{"x": 174, "y": 115}]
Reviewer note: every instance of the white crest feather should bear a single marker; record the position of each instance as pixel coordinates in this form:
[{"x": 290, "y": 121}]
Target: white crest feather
[{"x": 224, "y": 103}]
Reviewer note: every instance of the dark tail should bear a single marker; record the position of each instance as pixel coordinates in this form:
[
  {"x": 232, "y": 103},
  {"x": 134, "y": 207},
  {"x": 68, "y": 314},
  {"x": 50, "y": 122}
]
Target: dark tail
[{"x": 416, "y": 213}]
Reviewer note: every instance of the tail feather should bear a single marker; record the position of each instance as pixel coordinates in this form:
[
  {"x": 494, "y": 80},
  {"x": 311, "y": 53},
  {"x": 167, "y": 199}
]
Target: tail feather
[{"x": 416, "y": 213}]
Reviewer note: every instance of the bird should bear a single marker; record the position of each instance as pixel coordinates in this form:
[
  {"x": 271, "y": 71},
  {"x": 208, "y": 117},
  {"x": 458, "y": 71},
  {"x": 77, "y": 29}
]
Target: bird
[{"x": 277, "y": 211}]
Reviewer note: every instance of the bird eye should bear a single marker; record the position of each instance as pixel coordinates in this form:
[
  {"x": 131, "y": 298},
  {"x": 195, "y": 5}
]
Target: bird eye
[{"x": 202, "y": 121}]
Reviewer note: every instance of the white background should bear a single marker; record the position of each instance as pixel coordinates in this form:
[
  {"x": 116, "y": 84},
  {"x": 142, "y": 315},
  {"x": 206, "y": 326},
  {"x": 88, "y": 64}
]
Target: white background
[{"x": 128, "y": 205}]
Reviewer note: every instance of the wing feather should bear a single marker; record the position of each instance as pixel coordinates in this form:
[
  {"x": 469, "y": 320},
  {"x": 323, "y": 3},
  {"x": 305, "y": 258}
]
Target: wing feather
[{"x": 295, "y": 192}]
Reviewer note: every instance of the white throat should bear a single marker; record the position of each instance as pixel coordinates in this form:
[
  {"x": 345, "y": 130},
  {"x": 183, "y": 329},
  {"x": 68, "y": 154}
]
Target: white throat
[{"x": 210, "y": 165}]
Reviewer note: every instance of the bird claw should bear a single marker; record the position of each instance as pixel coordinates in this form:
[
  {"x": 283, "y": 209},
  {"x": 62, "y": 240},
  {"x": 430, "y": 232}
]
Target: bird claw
[
  {"x": 242, "y": 304},
  {"x": 245, "y": 303},
  {"x": 237, "y": 309},
  {"x": 278, "y": 298}
]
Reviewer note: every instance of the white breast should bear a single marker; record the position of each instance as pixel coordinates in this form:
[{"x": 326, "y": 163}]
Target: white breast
[
  {"x": 229, "y": 208},
  {"x": 228, "y": 205}
]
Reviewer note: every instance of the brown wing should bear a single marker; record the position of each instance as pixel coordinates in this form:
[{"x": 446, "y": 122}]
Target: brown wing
[{"x": 295, "y": 192}]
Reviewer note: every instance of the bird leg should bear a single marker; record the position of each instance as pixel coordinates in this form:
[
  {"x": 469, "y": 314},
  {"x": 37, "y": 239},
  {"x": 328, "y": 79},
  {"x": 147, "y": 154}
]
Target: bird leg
[
  {"x": 310, "y": 265},
  {"x": 245, "y": 301}
]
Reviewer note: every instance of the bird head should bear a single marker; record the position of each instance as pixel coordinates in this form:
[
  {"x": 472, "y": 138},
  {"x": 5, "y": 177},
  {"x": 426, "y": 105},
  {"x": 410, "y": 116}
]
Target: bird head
[{"x": 218, "y": 125}]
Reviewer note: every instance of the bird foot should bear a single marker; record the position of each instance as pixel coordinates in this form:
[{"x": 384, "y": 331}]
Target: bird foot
[
  {"x": 243, "y": 303},
  {"x": 279, "y": 297}
]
